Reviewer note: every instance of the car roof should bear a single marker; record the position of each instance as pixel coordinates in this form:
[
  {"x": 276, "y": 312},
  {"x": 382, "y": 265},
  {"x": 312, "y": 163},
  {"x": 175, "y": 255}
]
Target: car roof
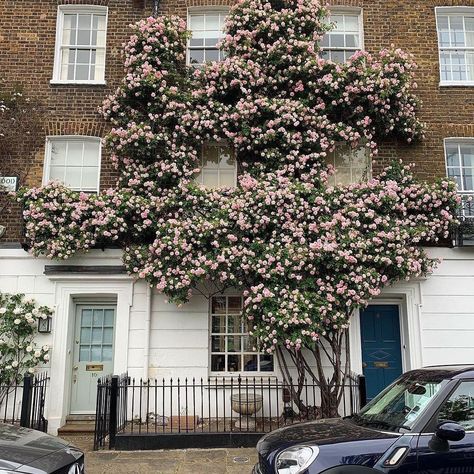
[{"x": 452, "y": 371}]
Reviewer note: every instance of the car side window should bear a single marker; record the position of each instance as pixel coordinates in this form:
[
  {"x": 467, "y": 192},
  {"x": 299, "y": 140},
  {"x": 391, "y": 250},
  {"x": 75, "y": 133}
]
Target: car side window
[{"x": 460, "y": 406}]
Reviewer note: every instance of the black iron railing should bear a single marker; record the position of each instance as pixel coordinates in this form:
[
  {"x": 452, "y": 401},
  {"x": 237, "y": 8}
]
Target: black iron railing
[
  {"x": 23, "y": 403},
  {"x": 213, "y": 405}
]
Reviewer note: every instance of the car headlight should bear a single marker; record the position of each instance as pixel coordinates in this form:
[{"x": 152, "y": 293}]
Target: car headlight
[{"x": 296, "y": 460}]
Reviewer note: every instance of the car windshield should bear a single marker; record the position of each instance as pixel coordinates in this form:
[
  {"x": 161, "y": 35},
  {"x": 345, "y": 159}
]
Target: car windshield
[{"x": 399, "y": 405}]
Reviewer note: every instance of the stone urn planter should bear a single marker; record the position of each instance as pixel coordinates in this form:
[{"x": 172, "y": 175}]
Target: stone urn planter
[{"x": 246, "y": 405}]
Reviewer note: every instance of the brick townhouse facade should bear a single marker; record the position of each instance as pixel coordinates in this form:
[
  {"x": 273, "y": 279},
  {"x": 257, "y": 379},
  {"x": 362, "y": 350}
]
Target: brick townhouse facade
[{"x": 66, "y": 55}]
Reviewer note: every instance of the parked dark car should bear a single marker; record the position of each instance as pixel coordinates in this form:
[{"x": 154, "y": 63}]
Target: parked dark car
[
  {"x": 28, "y": 451},
  {"x": 422, "y": 423}
]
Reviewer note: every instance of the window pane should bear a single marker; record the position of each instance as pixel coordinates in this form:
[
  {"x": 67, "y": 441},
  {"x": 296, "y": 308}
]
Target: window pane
[
  {"x": 452, "y": 155},
  {"x": 468, "y": 184},
  {"x": 336, "y": 41},
  {"x": 74, "y": 153},
  {"x": 98, "y": 317},
  {"x": 235, "y": 304},
  {"x": 234, "y": 363},
  {"x": 266, "y": 363},
  {"x": 107, "y": 353},
  {"x": 196, "y": 22},
  {"x": 57, "y": 173},
  {"x": 337, "y": 56},
  {"x": 91, "y": 153},
  {"x": 109, "y": 317},
  {"x": 83, "y": 56},
  {"x": 82, "y": 73},
  {"x": 467, "y": 152},
  {"x": 212, "y": 21},
  {"x": 351, "y": 22},
  {"x": 455, "y": 173},
  {"x": 227, "y": 179},
  {"x": 234, "y": 324},
  {"x": 84, "y": 22},
  {"x": 233, "y": 343},
  {"x": 86, "y": 319},
  {"x": 352, "y": 41},
  {"x": 72, "y": 178},
  {"x": 210, "y": 158},
  {"x": 249, "y": 343},
  {"x": 84, "y": 37},
  {"x": 218, "y": 305},
  {"x": 196, "y": 56},
  {"x": 84, "y": 354},
  {"x": 210, "y": 178},
  {"x": 218, "y": 344},
  {"x": 90, "y": 178},
  {"x": 338, "y": 21},
  {"x": 218, "y": 324},
  {"x": 97, "y": 335},
  {"x": 96, "y": 353},
  {"x": 460, "y": 406},
  {"x": 218, "y": 362},
  {"x": 108, "y": 335},
  {"x": 58, "y": 152},
  {"x": 85, "y": 335},
  {"x": 211, "y": 55},
  {"x": 250, "y": 362}
]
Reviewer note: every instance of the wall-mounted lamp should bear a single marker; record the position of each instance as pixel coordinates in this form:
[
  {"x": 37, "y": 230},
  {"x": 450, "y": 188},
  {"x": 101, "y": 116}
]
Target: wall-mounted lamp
[
  {"x": 156, "y": 4},
  {"x": 44, "y": 325},
  {"x": 3, "y": 229}
]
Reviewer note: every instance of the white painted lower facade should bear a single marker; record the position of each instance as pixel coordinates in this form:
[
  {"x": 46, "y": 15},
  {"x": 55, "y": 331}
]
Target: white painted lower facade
[{"x": 156, "y": 339}]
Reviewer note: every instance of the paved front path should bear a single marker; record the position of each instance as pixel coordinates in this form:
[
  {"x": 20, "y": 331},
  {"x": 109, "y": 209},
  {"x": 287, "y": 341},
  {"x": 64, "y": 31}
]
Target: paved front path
[{"x": 184, "y": 461}]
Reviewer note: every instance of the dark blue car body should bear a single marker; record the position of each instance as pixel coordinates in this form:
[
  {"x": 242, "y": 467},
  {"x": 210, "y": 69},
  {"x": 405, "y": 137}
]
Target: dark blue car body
[{"x": 345, "y": 447}]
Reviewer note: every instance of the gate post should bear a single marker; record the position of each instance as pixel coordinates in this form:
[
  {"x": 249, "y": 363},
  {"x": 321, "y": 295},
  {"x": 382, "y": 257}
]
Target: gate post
[
  {"x": 113, "y": 411},
  {"x": 25, "y": 417},
  {"x": 362, "y": 391}
]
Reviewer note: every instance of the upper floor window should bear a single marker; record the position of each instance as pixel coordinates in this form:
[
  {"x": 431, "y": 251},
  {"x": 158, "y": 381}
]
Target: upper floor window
[
  {"x": 232, "y": 348},
  {"x": 218, "y": 166},
  {"x": 351, "y": 165},
  {"x": 207, "y": 29},
  {"x": 456, "y": 45},
  {"x": 460, "y": 167},
  {"x": 75, "y": 161},
  {"x": 80, "y": 44},
  {"x": 340, "y": 43}
]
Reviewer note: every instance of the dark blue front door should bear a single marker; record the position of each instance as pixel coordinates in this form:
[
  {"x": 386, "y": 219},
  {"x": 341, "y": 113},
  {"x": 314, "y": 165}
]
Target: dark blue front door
[{"x": 381, "y": 352}]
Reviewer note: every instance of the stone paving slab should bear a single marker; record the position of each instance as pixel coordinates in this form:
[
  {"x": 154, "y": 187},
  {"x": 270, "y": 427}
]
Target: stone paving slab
[{"x": 183, "y": 461}]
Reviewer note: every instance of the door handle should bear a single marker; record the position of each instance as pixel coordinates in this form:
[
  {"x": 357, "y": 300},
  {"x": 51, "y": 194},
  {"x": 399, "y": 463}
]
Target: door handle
[
  {"x": 364, "y": 365},
  {"x": 75, "y": 367}
]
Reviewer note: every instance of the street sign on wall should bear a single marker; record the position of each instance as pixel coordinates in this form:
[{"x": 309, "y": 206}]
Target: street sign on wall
[{"x": 8, "y": 183}]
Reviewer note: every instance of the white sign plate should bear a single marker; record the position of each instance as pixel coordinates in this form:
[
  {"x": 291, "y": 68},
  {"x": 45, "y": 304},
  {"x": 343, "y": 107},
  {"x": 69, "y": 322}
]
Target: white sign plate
[{"x": 8, "y": 183}]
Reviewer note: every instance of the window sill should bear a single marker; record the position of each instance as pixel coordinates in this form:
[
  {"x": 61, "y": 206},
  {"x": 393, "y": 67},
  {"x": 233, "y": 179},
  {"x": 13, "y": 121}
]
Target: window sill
[
  {"x": 457, "y": 84},
  {"x": 77, "y": 83}
]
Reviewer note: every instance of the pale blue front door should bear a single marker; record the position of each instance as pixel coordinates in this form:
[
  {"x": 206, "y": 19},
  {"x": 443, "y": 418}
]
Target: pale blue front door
[{"x": 381, "y": 348}]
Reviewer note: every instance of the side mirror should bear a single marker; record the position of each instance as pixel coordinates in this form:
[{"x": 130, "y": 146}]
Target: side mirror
[{"x": 450, "y": 431}]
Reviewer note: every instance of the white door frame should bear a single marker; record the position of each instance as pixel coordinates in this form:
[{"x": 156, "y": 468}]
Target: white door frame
[
  {"x": 407, "y": 296},
  {"x": 68, "y": 290}
]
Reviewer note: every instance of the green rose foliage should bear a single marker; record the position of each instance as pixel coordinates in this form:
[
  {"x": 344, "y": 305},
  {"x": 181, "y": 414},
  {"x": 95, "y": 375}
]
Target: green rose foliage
[{"x": 19, "y": 354}]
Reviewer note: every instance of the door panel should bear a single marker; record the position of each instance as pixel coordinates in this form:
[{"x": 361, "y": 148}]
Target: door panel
[
  {"x": 436, "y": 456},
  {"x": 93, "y": 354},
  {"x": 381, "y": 350}
]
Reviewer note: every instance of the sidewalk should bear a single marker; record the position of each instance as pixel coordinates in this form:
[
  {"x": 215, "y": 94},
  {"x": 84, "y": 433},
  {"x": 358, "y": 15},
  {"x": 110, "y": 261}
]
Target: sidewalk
[{"x": 185, "y": 461}]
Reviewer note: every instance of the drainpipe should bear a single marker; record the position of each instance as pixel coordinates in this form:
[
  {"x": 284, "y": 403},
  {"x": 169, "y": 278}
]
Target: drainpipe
[
  {"x": 156, "y": 4},
  {"x": 147, "y": 336}
]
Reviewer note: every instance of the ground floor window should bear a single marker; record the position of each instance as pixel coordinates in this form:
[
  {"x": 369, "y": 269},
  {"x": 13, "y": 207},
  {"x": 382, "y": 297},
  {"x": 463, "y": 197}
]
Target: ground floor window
[{"x": 232, "y": 348}]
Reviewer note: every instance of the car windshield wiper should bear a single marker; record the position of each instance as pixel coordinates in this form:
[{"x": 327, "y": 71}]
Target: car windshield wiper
[{"x": 381, "y": 423}]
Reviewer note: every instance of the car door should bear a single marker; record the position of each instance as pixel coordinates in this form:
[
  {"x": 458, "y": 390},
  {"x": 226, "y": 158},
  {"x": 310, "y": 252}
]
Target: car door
[{"x": 436, "y": 456}]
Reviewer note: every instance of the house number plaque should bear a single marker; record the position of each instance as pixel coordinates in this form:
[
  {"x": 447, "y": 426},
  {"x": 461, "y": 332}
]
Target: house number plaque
[
  {"x": 95, "y": 367},
  {"x": 381, "y": 365}
]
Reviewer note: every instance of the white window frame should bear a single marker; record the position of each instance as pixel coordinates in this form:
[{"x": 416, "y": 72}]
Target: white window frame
[
  {"x": 333, "y": 154},
  {"x": 241, "y": 373},
  {"x": 458, "y": 141},
  {"x": 198, "y": 177},
  {"x": 200, "y": 11},
  {"x": 342, "y": 10},
  {"x": 48, "y": 149},
  {"x": 456, "y": 10},
  {"x": 81, "y": 9}
]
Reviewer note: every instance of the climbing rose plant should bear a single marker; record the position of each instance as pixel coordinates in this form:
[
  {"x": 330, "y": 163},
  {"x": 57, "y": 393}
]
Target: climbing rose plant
[
  {"x": 305, "y": 254},
  {"x": 19, "y": 354}
]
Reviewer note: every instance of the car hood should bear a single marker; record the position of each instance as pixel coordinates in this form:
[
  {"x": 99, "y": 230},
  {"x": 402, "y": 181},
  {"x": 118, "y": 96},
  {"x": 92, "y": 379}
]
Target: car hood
[
  {"x": 19, "y": 446},
  {"x": 321, "y": 432}
]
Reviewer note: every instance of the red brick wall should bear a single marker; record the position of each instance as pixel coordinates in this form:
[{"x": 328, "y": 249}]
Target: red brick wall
[{"x": 27, "y": 46}]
